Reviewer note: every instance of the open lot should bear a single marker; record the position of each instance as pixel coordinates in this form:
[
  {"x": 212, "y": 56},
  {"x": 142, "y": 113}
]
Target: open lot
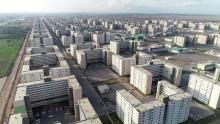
[
  {"x": 99, "y": 72},
  {"x": 198, "y": 111},
  {"x": 187, "y": 61}
]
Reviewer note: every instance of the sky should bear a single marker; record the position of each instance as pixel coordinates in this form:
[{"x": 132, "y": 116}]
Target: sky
[{"x": 111, "y": 6}]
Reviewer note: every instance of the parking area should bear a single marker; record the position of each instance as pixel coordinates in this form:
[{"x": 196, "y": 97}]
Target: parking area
[
  {"x": 99, "y": 72},
  {"x": 57, "y": 113},
  {"x": 198, "y": 111}
]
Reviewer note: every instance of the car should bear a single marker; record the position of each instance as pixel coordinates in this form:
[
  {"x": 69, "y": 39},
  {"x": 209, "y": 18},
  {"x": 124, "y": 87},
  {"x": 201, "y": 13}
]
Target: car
[
  {"x": 38, "y": 121},
  {"x": 57, "y": 122},
  {"x": 50, "y": 116}
]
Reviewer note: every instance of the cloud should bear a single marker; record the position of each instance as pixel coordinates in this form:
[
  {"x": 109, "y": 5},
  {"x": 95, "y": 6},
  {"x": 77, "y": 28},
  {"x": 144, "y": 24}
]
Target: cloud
[
  {"x": 135, "y": 6},
  {"x": 184, "y": 4}
]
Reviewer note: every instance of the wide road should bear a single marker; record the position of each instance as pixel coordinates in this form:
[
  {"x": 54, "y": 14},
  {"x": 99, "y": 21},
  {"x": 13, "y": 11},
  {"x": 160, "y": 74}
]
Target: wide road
[{"x": 87, "y": 89}]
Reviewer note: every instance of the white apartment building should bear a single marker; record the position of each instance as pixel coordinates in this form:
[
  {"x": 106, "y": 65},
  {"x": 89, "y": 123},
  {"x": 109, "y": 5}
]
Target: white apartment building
[
  {"x": 98, "y": 38},
  {"x": 122, "y": 65},
  {"x": 90, "y": 56},
  {"x": 87, "y": 114},
  {"x": 114, "y": 47},
  {"x": 130, "y": 110},
  {"x": 79, "y": 46},
  {"x": 216, "y": 41},
  {"x": 200, "y": 87},
  {"x": 141, "y": 79},
  {"x": 201, "y": 39},
  {"x": 205, "y": 89},
  {"x": 78, "y": 38},
  {"x": 177, "y": 102},
  {"x": 37, "y": 66},
  {"x": 66, "y": 40},
  {"x": 179, "y": 41},
  {"x": 38, "y": 93},
  {"x": 109, "y": 37},
  {"x": 18, "y": 118},
  {"x": 142, "y": 76}
]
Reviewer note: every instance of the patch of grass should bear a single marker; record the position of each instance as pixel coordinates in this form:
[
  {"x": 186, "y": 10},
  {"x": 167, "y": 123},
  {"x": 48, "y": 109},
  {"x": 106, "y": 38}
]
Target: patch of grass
[
  {"x": 115, "y": 118},
  {"x": 11, "y": 39}
]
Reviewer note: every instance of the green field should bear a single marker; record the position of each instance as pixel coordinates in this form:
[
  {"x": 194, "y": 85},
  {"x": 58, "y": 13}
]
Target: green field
[{"x": 11, "y": 39}]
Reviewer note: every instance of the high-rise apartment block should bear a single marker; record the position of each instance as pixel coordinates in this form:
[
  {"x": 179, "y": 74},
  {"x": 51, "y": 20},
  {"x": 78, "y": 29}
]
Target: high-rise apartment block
[
  {"x": 143, "y": 76},
  {"x": 122, "y": 64},
  {"x": 176, "y": 100},
  {"x": 130, "y": 110},
  {"x": 201, "y": 39},
  {"x": 179, "y": 41},
  {"x": 171, "y": 106},
  {"x": 205, "y": 89}
]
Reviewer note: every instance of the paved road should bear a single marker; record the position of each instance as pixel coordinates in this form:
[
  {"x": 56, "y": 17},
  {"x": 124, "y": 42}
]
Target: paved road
[{"x": 88, "y": 90}]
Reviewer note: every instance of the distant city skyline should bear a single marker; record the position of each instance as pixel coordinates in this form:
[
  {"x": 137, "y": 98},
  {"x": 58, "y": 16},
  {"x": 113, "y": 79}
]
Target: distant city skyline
[{"x": 112, "y": 6}]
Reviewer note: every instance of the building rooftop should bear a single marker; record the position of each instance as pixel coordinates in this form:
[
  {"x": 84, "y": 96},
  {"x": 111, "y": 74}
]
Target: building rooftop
[
  {"x": 16, "y": 119},
  {"x": 204, "y": 77},
  {"x": 172, "y": 88},
  {"x": 74, "y": 83},
  {"x": 180, "y": 96},
  {"x": 129, "y": 97},
  {"x": 90, "y": 121},
  {"x": 20, "y": 93},
  {"x": 87, "y": 109},
  {"x": 149, "y": 105}
]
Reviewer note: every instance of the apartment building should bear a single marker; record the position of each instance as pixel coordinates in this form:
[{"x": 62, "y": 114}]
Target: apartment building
[
  {"x": 38, "y": 93},
  {"x": 205, "y": 89},
  {"x": 201, "y": 39},
  {"x": 45, "y": 49},
  {"x": 216, "y": 41},
  {"x": 66, "y": 40},
  {"x": 86, "y": 113},
  {"x": 37, "y": 66},
  {"x": 176, "y": 100},
  {"x": 143, "y": 76},
  {"x": 92, "y": 55},
  {"x": 122, "y": 64},
  {"x": 79, "y": 46},
  {"x": 40, "y": 36},
  {"x": 120, "y": 47},
  {"x": 179, "y": 41},
  {"x": 130, "y": 110},
  {"x": 99, "y": 38},
  {"x": 19, "y": 118}
]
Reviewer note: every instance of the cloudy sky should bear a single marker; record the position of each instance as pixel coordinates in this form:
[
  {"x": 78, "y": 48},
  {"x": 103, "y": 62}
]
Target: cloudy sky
[{"x": 112, "y": 6}]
